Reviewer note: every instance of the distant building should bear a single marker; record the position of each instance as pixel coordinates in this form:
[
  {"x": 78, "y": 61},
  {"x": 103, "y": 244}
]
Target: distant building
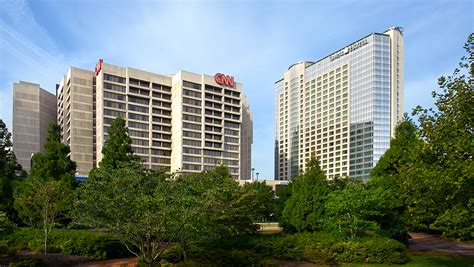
[
  {"x": 33, "y": 110},
  {"x": 184, "y": 122},
  {"x": 75, "y": 107},
  {"x": 342, "y": 108}
]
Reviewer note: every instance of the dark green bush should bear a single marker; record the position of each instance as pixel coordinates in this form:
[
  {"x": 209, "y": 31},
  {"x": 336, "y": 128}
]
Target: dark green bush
[
  {"x": 71, "y": 242},
  {"x": 318, "y": 247},
  {"x": 5, "y": 250},
  {"x": 27, "y": 262}
]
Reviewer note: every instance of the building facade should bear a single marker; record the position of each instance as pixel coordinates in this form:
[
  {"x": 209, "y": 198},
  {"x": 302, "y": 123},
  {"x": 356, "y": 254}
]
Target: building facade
[
  {"x": 33, "y": 111},
  {"x": 184, "y": 122},
  {"x": 75, "y": 116},
  {"x": 343, "y": 108}
]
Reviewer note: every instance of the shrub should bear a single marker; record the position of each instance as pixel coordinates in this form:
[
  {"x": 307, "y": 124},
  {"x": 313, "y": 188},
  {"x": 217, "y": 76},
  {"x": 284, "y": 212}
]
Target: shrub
[
  {"x": 318, "y": 247},
  {"x": 71, "y": 242},
  {"x": 374, "y": 250},
  {"x": 5, "y": 250},
  {"x": 27, "y": 262}
]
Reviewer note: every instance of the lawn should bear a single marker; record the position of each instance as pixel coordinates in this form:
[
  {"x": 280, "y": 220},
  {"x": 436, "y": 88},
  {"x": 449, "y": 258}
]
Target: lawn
[{"x": 427, "y": 261}]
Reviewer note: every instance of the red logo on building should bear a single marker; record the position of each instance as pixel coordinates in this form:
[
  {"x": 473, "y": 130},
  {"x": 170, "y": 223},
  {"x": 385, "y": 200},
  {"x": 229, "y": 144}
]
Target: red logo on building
[
  {"x": 224, "y": 79},
  {"x": 98, "y": 66}
]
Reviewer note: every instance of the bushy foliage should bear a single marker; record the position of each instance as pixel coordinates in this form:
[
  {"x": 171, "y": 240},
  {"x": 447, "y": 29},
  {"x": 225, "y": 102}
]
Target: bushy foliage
[
  {"x": 92, "y": 243},
  {"x": 118, "y": 148},
  {"x": 27, "y": 262},
  {"x": 54, "y": 163},
  {"x": 10, "y": 171},
  {"x": 316, "y": 247},
  {"x": 304, "y": 209}
]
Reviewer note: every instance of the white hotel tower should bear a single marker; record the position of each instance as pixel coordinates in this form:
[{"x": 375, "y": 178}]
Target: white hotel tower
[{"x": 342, "y": 108}]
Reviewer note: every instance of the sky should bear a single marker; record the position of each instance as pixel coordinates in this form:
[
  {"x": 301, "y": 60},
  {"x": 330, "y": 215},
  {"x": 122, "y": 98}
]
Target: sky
[{"x": 254, "y": 41}]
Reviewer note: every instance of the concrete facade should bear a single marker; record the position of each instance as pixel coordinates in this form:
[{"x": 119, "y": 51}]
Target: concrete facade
[
  {"x": 33, "y": 111},
  {"x": 75, "y": 95},
  {"x": 343, "y": 108},
  {"x": 184, "y": 122}
]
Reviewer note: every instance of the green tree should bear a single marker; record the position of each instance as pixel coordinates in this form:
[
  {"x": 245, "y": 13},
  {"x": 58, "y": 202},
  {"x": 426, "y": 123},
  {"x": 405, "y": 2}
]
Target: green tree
[
  {"x": 42, "y": 201},
  {"x": 389, "y": 178},
  {"x": 447, "y": 132},
  {"x": 10, "y": 171},
  {"x": 211, "y": 212},
  {"x": 54, "y": 163},
  {"x": 140, "y": 207},
  {"x": 349, "y": 210},
  {"x": 226, "y": 206},
  {"x": 282, "y": 194},
  {"x": 304, "y": 210},
  {"x": 118, "y": 148},
  {"x": 262, "y": 199}
]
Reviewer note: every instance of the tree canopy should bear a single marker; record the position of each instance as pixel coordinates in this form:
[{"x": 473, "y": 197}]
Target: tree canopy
[
  {"x": 55, "y": 162},
  {"x": 305, "y": 208},
  {"x": 10, "y": 171}
]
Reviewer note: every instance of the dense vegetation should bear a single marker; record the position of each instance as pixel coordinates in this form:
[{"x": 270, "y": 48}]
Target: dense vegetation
[{"x": 424, "y": 182}]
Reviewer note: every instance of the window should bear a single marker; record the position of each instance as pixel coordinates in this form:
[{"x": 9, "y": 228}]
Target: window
[
  {"x": 160, "y": 160},
  {"x": 191, "y": 101},
  {"x": 137, "y": 125},
  {"x": 192, "y": 159},
  {"x": 160, "y": 152},
  {"x": 113, "y": 104},
  {"x": 191, "y": 85},
  {"x": 190, "y": 142},
  {"x": 138, "y": 100},
  {"x": 191, "y": 126},
  {"x": 114, "y": 113},
  {"x": 213, "y": 153},
  {"x": 114, "y": 78},
  {"x": 192, "y": 167},
  {"x": 231, "y": 140},
  {"x": 191, "y": 110},
  {"x": 138, "y": 133},
  {"x": 114, "y": 87},
  {"x": 192, "y": 118},
  {"x": 139, "y": 142},
  {"x": 191, "y": 134},
  {"x": 231, "y": 124},
  {"x": 231, "y": 132},
  {"x": 231, "y": 147},
  {"x": 137, "y": 108},
  {"x": 191, "y": 93},
  {"x": 190, "y": 150},
  {"x": 139, "y": 117}
]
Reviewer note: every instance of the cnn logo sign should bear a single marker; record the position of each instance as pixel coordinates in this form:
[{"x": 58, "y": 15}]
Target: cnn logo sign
[{"x": 223, "y": 79}]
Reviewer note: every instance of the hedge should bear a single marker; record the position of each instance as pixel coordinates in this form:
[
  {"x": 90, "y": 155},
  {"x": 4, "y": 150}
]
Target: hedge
[{"x": 319, "y": 248}]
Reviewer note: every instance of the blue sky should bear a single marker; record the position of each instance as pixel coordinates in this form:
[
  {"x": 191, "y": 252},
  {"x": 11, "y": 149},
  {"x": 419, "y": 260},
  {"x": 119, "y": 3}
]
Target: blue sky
[{"x": 255, "y": 41}]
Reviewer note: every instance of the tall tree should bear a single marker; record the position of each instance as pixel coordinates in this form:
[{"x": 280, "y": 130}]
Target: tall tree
[
  {"x": 448, "y": 134},
  {"x": 304, "y": 210},
  {"x": 10, "y": 170},
  {"x": 389, "y": 178},
  {"x": 54, "y": 163},
  {"x": 118, "y": 148}
]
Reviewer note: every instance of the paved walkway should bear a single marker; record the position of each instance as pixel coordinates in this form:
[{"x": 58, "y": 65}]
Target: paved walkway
[{"x": 421, "y": 242}]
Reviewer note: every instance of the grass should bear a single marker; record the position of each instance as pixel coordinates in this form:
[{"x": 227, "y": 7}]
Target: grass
[{"x": 427, "y": 261}]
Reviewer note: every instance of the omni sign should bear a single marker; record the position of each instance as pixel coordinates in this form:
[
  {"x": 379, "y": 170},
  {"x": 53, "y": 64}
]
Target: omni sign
[{"x": 223, "y": 79}]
